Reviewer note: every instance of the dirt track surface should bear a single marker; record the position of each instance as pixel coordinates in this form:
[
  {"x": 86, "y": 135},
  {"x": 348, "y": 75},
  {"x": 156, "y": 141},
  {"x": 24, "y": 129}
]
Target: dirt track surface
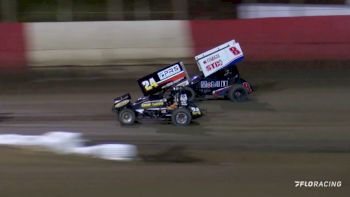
[{"x": 295, "y": 127}]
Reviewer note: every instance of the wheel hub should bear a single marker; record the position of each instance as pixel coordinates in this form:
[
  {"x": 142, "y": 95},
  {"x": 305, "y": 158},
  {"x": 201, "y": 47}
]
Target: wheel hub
[
  {"x": 127, "y": 117},
  {"x": 238, "y": 94},
  {"x": 181, "y": 118}
]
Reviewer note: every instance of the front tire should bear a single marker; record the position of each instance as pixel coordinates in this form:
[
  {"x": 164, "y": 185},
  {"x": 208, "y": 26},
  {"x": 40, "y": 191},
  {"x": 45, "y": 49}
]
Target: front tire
[
  {"x": 238, "y": 93},
  {"x": 181, "y": 117},
  {"x": 126, "y": 116}
]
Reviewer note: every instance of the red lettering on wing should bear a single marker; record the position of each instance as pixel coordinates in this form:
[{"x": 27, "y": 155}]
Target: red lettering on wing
[{"x": 214, "y": 65}]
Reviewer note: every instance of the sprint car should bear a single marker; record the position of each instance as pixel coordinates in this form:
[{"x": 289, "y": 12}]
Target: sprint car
[
  {"x": 219, "y": 75},
  {"x": 155, "y": 103}
]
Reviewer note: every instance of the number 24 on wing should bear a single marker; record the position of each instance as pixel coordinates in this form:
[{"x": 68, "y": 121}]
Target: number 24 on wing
[{"x": 149, "y": 84}]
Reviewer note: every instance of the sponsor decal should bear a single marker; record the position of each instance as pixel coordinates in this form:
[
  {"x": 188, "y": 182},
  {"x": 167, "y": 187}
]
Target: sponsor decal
[
  {"x": 164, "y": 74},
  {"x": 181, "y": 75},
  {"x": 214, "y": 65},
  {"x": 212, "y": 58},
  {"x": 152, "y": 104},
  {"x": 214, "y": 84},
  {"x": 183, "y": 99},
  {"x": 121, "y": 104}
]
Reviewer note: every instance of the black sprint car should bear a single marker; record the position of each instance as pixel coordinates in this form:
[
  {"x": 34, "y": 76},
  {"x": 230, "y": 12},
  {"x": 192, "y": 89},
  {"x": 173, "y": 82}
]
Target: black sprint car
[{"x": 175, "y": 107}]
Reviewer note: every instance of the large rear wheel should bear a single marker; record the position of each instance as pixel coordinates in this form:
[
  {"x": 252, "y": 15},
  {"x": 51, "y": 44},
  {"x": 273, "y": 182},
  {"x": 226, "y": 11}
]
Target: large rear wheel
[
  {"x": 191, "y": 95},
  {"x": 126, "y": 116},
  {"x": 238, "y": 93},
  {"x": 181, "y": 117}
]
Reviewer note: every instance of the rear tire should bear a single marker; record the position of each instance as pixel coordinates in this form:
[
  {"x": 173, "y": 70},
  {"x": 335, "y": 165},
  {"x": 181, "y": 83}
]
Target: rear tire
[
  {"x": 126, "y": 116},
  {"x": 191, "y": 95},
  {"x": 238, "y": 93},
  {"x": 181, "y": 117}
]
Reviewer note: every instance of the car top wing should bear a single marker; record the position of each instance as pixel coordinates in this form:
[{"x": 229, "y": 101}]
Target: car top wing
[
  {"x": 170, "y": 76},
  {"x": 219, "y": 57}
]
